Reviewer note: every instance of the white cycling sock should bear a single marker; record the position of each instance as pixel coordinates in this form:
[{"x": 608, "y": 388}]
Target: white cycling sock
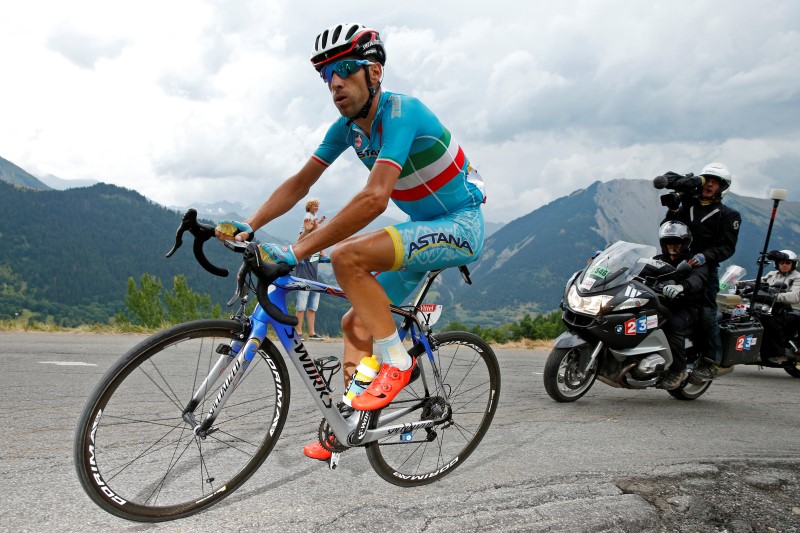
[{"x": 393, "y": 352}]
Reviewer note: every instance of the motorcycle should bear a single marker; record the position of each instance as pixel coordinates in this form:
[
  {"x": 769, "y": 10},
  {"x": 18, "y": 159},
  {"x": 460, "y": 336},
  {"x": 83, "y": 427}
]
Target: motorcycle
[
  {"x": 614, "y": 312},
  {"x": 737, "y": 303}
]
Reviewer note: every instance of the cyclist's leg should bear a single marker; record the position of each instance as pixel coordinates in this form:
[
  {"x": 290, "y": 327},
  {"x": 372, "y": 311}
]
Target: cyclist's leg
[
  {"x": 417, "y": 246},
  {"x": 354, "y": 260},
  {"x": 358, "y": 341}
]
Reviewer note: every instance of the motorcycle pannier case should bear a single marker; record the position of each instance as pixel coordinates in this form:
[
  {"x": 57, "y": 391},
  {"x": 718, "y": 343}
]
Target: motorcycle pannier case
[{"x": 741, "y": 341}]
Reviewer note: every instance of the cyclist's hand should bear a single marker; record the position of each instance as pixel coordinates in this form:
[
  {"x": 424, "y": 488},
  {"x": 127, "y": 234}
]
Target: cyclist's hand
[
  {"x": 231, "y": 229},
  {"x": 276, "y": 253}
]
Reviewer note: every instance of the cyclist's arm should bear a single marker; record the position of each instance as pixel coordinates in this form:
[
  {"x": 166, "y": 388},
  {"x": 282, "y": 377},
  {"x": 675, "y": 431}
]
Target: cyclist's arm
[
  {"x": 287, "y": 194},
  {"x": 362, "y": 209}
]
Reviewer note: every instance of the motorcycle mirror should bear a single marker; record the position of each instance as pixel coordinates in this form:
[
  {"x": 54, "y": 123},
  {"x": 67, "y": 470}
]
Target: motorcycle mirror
[{"x": 778, "y": 194}]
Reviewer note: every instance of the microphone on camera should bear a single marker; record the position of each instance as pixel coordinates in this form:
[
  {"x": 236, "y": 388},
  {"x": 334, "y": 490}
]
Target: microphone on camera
[{"x": 660, "y": 182}]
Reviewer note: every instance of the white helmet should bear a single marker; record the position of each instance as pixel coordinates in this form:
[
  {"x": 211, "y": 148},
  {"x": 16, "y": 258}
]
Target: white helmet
[
  {"x": 721, "y": 172},
  {"x": 347, "y": 39},
  {"x": 790, "y": 256}
]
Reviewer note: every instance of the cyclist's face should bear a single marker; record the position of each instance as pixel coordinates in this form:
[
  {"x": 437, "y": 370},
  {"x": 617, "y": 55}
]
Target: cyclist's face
[
  {"x": 784, "y": 266},
  {"x": 350, "y": 94}
]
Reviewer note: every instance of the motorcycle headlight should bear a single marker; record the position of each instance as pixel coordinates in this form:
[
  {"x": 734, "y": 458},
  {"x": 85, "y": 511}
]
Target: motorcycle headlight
[
  {"x": 588, "y": 305},
  {"x": 631, "y": 303}
]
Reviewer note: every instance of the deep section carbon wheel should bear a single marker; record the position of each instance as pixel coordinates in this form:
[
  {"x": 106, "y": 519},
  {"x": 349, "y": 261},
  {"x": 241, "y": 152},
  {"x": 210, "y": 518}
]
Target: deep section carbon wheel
[
  {"x": 136, "y": 455},
  {"x": 464, "y": 399}
]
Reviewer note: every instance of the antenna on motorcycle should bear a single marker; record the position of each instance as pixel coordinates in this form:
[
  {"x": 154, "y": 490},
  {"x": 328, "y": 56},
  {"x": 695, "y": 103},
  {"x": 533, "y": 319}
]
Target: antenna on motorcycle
[{"x": 776, "y": 195}]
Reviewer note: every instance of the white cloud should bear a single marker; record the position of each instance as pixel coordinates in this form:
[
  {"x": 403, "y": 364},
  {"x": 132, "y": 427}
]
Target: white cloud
[{"x": 200, "y": 101}]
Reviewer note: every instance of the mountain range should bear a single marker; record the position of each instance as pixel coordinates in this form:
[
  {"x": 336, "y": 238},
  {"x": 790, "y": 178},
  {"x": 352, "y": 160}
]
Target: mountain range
[
  {"x": 525, "y": 265},
  {"x": 69, "y": 253}
]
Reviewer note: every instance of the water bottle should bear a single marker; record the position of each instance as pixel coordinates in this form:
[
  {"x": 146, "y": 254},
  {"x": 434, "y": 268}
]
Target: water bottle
[{"x": 362, "y": 377}]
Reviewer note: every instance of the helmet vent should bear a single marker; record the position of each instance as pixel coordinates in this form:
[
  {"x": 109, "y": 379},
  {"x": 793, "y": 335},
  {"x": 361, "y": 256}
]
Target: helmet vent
[
  {"x": 325, "y": 39},
  {"x": 336, "y": 33},
  {"x": 351, "y": 31}
]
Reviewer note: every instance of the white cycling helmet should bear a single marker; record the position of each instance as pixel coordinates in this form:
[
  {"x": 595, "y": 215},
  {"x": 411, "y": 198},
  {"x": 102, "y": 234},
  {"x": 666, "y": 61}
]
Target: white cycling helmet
[
  {"x": 721, "y": 172},
  {"x": 347, "y": 40},
  {"x": 791, "y": 256}
]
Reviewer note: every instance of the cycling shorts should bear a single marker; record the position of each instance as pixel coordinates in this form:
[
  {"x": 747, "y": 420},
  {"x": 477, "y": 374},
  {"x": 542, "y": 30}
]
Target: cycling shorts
[{"x": 451, "y": 240}]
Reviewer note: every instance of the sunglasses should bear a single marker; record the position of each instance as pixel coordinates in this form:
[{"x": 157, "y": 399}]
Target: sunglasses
[
  {"x": 785, "y": 262},
  {"x": 342, "y": 68}
]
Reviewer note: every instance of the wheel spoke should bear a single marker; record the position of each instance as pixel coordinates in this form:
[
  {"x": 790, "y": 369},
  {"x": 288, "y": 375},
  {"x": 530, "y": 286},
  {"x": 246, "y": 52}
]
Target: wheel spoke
[
  {"x": 147, "y": 455},
  {"x": 464, "y": 380}
]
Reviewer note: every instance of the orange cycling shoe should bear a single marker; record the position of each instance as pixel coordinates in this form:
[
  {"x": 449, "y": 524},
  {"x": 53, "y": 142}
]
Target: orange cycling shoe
[
  {"x": 383, "y": 389},
  {"x": 315, "y": 450}
]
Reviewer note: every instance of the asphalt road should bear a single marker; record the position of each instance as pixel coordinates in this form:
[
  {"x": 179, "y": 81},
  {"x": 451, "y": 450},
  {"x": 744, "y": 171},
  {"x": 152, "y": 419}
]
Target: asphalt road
[{"x": 616, "y": 460}]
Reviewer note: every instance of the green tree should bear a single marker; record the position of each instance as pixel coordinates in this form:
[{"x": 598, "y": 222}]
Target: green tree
[
  {"x": 182, "y": 304},
  {"x": 143, "y": 303}
]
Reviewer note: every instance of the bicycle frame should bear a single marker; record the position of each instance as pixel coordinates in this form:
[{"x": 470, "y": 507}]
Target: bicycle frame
[{"x": 353, "y": 430}]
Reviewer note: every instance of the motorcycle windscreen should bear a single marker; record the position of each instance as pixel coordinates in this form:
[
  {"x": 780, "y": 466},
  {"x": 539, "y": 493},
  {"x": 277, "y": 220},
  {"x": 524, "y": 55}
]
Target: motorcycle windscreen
[{"x": 612, "y": 267}]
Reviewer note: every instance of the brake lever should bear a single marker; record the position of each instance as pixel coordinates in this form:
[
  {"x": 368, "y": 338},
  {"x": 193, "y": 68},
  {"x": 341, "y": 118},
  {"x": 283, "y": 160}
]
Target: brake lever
[{"x": 241, "y": 278}]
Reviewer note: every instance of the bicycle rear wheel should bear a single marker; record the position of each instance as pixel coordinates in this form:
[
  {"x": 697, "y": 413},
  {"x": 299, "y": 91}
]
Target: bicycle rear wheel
[
  {"x": 134, "y": 454},
  {"x": 470, "y": 377}
]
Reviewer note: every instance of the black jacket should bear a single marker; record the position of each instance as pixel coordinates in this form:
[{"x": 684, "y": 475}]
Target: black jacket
[
  {"x": 693, "y": 284},
  {"x": 714, "y": 227}
]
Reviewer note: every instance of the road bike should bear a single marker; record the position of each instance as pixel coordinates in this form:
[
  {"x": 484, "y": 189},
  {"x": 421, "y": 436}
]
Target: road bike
[{"x": 189, "y": 414}]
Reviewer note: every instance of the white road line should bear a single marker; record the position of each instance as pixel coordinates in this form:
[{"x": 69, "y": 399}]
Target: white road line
[{"x": 66, "y": 363}]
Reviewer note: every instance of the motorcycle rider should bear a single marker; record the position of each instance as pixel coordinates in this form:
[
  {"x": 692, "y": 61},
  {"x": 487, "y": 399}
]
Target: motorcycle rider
[
  {"x": 715, "y": 230},
  {"x": 685, "y": 299},
  {"x": 781, "y": 326}
]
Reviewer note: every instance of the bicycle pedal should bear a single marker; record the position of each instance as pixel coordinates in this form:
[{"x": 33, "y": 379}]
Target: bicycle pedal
[{"x": 333, "y": 462}]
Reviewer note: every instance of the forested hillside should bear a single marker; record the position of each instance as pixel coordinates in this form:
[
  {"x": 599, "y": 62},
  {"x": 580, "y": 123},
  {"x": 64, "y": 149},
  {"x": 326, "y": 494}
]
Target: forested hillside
[{"x": 70, "y": 253}]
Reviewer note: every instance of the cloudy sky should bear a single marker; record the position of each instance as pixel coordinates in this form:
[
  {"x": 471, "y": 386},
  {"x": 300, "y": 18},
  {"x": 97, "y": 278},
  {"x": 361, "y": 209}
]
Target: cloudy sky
[{"x": 192, "y": 101}]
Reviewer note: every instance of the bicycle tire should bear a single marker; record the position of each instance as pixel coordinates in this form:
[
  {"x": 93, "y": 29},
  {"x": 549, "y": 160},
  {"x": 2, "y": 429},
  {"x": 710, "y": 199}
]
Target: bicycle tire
[
  {"x": 135, "y": 456},
  {"x": 471, "y": 377}
]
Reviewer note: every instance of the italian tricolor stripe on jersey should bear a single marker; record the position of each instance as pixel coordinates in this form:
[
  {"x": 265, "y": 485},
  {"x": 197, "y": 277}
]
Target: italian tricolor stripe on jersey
[{"x": 429, "y": 170}]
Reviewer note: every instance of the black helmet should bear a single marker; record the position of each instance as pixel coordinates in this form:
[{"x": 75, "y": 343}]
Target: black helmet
[{"x": 674, "y": 232}]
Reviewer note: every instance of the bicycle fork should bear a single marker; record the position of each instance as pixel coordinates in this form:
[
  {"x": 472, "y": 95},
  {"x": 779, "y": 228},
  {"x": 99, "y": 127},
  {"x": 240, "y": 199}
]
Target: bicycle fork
[{"x": 237, "y": 356}]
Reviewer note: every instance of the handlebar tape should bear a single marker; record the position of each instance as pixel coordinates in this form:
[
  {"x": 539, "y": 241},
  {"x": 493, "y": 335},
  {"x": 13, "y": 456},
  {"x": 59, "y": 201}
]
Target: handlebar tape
[{"x": 267, "y": 273}]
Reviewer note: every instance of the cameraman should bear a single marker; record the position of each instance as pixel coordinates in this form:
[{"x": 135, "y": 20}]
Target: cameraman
[{"x": 715, "y": 230}]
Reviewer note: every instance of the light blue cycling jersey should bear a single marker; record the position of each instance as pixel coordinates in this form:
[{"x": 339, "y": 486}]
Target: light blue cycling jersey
[{"x": 435, "y": 175}]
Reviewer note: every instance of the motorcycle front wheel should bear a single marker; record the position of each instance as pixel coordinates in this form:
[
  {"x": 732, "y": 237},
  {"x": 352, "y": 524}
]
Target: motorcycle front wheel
[
  {"x": 563, "y": 380},
  {"x": 792, "y": 371}
]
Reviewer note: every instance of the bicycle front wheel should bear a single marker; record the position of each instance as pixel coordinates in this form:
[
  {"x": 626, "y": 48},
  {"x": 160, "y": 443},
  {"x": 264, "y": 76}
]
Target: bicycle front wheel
[
  {"x": 466, "y": 397},
  {"x": 135, "y": 455}
]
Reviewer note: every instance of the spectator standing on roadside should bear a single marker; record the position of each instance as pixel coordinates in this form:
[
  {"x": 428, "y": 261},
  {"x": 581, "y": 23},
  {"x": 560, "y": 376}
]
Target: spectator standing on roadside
[{"x": 308, "y": 302}]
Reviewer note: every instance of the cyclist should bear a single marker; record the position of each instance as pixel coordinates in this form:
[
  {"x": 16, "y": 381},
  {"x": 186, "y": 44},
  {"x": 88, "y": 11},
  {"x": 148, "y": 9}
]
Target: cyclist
[
  {"x": 412, "y": 160},
  {"x": 715, "y": 231},
  {"x": 675, "y": 240}
]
